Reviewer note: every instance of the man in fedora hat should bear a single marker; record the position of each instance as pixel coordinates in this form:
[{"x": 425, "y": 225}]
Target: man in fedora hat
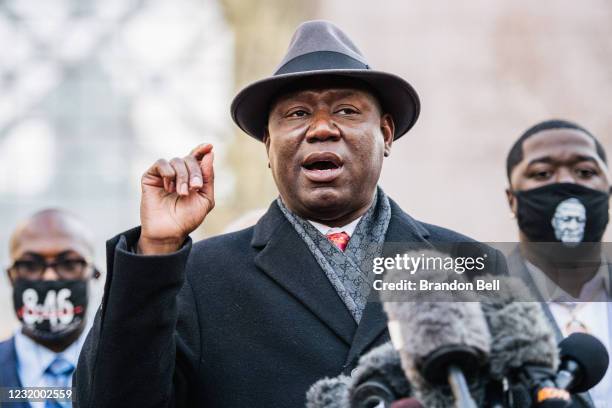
[{"x": 254, "y": 317}]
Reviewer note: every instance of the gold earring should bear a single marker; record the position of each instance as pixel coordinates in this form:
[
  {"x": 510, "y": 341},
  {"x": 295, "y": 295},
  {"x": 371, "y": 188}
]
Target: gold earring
[{"x": 512, "y": 215}]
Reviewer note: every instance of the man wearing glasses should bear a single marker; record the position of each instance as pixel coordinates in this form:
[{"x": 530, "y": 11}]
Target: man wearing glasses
[{"x": 51, "y": 255}]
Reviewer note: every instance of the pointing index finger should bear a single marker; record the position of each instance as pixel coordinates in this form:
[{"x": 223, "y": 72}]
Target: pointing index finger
[{"x": 200, "y": 151}]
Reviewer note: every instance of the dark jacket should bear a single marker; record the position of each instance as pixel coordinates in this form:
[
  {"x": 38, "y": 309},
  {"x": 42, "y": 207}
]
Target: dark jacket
[
  {"x": 9, "y": 377},
  {"x": 246, "y": 319}
]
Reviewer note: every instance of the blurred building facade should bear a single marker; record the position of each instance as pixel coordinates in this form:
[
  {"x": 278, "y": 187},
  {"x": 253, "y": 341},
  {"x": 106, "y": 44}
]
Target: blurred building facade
[{"x": 485, "y": 72}]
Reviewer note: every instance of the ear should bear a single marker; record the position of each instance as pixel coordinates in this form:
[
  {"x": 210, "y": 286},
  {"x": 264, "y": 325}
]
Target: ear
[
  {"x": 512, "y": 203},
  {"x": 10, "y": 276},
  {"x": 266, "y": 140},
  {"x": 387, "y": 127}
]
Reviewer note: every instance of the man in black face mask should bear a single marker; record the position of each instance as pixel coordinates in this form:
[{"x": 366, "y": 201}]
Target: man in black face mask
[
  {"x": 559, "y": 193},
  {"x": 51, "y": 255}
]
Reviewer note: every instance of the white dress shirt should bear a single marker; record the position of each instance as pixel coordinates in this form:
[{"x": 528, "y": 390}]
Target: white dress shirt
[
  {"x": 33, "y": 359},
  {"x": 325, "y": 229},
  {"x": 594, "y": 311}
]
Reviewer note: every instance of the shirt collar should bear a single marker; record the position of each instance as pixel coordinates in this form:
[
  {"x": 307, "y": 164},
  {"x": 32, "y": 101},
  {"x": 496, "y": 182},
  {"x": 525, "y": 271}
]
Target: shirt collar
[
  {"x": 325, "y": 229},
  {"x": 550, "y": 291},
  {"x": 33, "y": 358}
]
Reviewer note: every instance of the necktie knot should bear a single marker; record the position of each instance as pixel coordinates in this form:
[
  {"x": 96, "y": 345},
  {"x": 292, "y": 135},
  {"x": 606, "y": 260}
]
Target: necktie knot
[
  {"x": 60, "y": 368},
  {"x": 339, "y": 239},
  {"x": 59, "y": 374}
]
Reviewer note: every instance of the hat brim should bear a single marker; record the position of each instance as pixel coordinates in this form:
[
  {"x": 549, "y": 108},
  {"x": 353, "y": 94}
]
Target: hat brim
[{"x": 250, "y": 106}]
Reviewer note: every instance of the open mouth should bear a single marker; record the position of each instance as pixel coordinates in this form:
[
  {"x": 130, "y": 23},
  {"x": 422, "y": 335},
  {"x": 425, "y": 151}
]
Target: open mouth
[{"x": 322, "y": 167}]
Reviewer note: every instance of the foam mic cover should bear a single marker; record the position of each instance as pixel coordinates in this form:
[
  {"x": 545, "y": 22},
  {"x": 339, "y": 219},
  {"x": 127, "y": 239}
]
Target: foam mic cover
[
  {"x": 520, "y": 332},
  {"x": 436, "y": 325},
  {"x": 329, "y": 393},
  {"x": 378, "y": 376},
  {"x": 590, "y": 356}
]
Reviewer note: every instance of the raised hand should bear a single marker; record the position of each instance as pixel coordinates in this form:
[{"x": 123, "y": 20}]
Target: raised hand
[{"x": 176, "y": 197}]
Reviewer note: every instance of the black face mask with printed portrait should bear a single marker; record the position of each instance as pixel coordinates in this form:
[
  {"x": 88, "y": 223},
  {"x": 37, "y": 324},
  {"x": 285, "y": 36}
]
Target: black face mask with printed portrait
[{"x": 563, "y": 212}]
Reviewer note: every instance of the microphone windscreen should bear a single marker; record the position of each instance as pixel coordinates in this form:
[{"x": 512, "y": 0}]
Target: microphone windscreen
[
  {"x": 407, "y": 403},
  {"x": 329, "y": 393},
  {"x": 427, "y": 325},
  {"x": 520, "y": 332},
  {"x": 590, "y": 354},
  {"x": 381, "y": 364},
  {"x": 430, "y": 319}
]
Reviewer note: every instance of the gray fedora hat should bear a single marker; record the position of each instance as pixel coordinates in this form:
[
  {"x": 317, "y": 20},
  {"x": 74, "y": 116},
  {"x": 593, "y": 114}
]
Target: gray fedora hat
[{"x": 319, "y": 48}]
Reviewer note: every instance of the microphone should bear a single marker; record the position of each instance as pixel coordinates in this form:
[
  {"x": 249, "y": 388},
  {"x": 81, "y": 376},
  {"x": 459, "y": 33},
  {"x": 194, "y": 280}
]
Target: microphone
[
  {"x": 584, "y": 361},
  {"x": 520, "y": 332},
  {"x": 440, "y": 342},
  {"x": 523, "y": 346},
  {"x": 329, "y": 393},
  {"x": 378, "y": 378}
]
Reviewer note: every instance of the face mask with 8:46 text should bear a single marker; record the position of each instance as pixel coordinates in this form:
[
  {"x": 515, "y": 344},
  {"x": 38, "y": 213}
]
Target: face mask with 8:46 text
[{"x": 50, "y": 311}]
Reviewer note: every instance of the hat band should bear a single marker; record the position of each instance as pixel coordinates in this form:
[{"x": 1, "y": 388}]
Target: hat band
[{"x": 320, "y": 60}]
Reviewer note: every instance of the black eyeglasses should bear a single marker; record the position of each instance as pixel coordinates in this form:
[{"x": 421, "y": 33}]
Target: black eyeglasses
[{"x": 65, "y": 268}]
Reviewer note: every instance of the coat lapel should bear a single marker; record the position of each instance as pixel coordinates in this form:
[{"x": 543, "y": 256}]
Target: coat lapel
[
  {"x": 8, "y": 369},
  {"x": 373, "y": 324},
  {"x": 286, "y": 259}
]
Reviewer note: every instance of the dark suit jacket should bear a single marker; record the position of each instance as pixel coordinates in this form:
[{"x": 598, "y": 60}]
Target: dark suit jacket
[
  {"x": 8, "y": 371},
  {"x": 517, "y": 267},
  {"x": 246, "y": 319}
]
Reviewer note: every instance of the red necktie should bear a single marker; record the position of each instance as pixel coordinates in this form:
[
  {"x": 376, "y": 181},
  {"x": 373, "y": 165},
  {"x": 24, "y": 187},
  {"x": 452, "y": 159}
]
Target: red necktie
[{"x": 339, "y": 239}]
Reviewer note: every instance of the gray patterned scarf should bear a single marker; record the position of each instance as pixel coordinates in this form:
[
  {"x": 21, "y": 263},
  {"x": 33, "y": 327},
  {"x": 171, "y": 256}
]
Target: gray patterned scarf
[{"x": 350, "y": 272}]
